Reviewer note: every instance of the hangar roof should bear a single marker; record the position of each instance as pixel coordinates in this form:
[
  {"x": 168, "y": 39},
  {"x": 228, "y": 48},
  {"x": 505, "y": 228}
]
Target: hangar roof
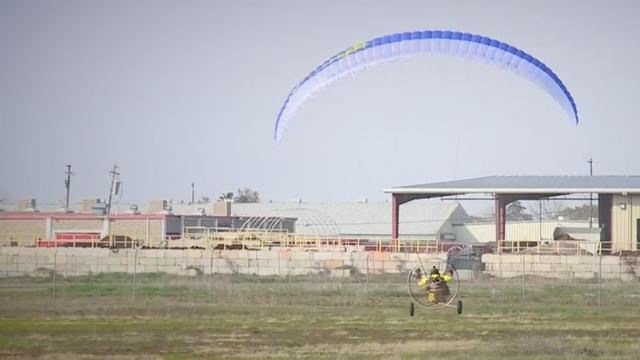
[{"x": 609, "y": 184}]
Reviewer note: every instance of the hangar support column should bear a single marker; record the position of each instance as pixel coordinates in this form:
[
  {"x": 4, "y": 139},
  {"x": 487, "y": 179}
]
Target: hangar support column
[
  {"x": 501, "y": 214},
  {"x": 396, "y": 201},
  {"x": 605, "y": 202},
  {"x": 395, "y": 220},
  {"x": 502, "y": 200}
]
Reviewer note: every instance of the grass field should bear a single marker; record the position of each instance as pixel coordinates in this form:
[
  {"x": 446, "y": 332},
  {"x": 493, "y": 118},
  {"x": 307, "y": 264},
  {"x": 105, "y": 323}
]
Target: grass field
[{"x": 240, "y": 317}]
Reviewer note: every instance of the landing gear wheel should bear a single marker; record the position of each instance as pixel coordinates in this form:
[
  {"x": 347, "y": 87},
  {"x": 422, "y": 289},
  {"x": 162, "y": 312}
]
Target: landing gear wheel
[
  {"x": 459, "y": 307},
  {"x": 411, "y": 309}
]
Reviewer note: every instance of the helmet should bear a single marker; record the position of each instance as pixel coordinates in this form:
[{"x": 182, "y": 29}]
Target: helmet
[{"x": 418, "y": 273}]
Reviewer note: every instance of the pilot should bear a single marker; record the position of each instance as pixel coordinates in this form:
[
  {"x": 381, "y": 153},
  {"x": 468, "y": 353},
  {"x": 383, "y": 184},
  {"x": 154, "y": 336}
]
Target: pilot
[
  {"x": 421, "y": 280},
  {"x": 447, "y": 277}
]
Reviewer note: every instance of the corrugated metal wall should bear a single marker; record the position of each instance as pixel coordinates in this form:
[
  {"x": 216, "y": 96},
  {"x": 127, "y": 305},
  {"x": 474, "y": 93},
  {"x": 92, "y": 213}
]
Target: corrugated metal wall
[
  {"x": 625, "y": 212},
  {"x": 515, "y": 230}
]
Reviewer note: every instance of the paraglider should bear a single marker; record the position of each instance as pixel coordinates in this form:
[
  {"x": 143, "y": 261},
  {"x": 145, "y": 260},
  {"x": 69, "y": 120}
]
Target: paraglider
[{"x": 394, "y": 47}]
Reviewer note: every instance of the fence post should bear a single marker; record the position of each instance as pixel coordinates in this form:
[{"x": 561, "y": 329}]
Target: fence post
[
  {"x": 290, "y": 271},
  {"x": 600, "y": 280},
  {"x": 135, "y": 270},
  {"x": 367, "y": 277},
  {"x": 55, "y": 270},
  {"x": 211, "y": 276},
  {"x": 66, "y": 265},
  {"x": 620, "y": 265},
  {"x": 523, "y": 277}
]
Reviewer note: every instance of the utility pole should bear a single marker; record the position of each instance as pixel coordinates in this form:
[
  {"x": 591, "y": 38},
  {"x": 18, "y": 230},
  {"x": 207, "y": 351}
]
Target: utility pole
[
  {"x": 113, "y": 173},
  {"x": 193, "y": 192},
  {"x": 590, "y": 162},
  {"x": 67, "y": 184}
]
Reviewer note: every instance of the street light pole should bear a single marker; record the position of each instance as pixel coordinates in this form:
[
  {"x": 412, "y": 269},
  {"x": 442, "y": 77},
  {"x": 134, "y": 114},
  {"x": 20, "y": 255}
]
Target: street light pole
[
  {"x": 67, "y": 185},
  {"x": 193, "y": 185},
  {"x": 114, "y": 173}
]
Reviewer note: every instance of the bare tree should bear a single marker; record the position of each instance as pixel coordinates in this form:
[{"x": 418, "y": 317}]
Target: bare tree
[{"x": 550, "y": 208}]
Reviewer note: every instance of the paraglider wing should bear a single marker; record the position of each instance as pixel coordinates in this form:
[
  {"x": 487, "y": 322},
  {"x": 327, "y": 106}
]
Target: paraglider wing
[{"x": 410, "y": 44}]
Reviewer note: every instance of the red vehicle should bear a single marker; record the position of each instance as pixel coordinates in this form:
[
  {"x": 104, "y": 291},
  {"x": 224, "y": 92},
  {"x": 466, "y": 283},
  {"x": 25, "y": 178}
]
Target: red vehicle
[{"x": 72, "y": 239}]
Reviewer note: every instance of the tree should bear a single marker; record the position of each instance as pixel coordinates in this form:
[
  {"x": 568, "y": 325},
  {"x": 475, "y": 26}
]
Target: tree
[
  {"x": 516, "y": 211},
  {"x": 247, "y": 195},
  {"x": 578, "y": 212},
  {"x": 226, "y": 196},
  {"x": 550, "y": 208}
]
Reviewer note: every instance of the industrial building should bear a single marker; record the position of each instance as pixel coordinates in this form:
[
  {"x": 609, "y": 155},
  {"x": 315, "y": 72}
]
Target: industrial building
[
  {"x": 160, "y": 220},
  {"x": 28, "y": 226},
  {"x": 421, "y": 220},
  {"x": 618, "y": 199},
  {"x": 418, "y": 219}
]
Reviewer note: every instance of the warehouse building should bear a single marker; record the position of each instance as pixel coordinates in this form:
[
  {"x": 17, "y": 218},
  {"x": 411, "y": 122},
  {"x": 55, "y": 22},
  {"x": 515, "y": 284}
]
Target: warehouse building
[
  {"x": 421, "y": 220},
  {"x": 618, "y": 199},
  {"x": 28, "y": 226}
]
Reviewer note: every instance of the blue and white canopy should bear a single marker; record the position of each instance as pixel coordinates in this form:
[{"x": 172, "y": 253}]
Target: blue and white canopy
[{"x": 410, "y": 44}]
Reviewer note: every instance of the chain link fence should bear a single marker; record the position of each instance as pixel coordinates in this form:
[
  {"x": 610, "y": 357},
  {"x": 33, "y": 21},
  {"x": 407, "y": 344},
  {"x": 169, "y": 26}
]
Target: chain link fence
[{"x": 217, "y": 279}]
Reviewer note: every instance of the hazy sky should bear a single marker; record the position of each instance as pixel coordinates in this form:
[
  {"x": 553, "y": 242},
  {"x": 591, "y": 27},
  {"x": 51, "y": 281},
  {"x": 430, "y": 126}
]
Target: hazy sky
[{"x": 182, "y": 91}]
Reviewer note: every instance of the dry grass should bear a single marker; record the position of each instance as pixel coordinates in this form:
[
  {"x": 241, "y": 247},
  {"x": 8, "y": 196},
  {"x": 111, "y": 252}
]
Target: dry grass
[{"x": 174, "y": 318}]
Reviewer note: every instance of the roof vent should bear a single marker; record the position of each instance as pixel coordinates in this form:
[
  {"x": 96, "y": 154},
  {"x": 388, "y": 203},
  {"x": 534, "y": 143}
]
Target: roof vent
[
  {"x": 133, "y": 209},
  {"x": 28, "y": 205}
]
